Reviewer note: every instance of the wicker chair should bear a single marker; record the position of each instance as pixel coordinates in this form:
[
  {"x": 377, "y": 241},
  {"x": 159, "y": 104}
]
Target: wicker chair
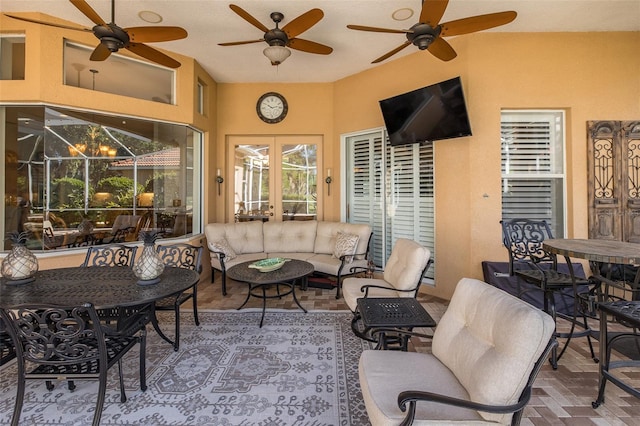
[
  {"x": 181, "y": 256},
  {"x": 67, "y": 343}
]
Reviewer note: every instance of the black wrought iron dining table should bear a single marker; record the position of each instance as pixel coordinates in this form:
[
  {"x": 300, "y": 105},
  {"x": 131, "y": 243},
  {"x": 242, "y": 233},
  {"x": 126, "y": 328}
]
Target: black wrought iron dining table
[
  {"x": 606, "y": 252},
  {"x": 104, "y": 287}
]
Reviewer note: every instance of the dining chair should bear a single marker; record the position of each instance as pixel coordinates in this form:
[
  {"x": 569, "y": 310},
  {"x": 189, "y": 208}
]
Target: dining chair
[
  {"x": 7, "y": 347},
  {"x": 67, "y": 343},
  {"x": 110, "y": 255},
  {"x": 187, "y": 256},
  {"x": 529, "y": 261}
]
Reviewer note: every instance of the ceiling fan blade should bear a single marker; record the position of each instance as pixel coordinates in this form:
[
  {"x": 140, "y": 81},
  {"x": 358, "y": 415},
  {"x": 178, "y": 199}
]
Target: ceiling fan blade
[
  {"x": 153, "y": 55},
  {"x": 155, "y": 34},
  {"x": 236, "y": 43},
  {"x": 303, "y": 22},
  {"x": 309, "y": 46},
  {"x": 51, "y": 24},
  {"x": 376, "y": 29},
  {"x": 441, "y": 49},
  {"x": 476, "y": 23},
  {"x": 100, "y": 53},
  {"x": 393, "y": 52},
  {"x": 84, "y": 7},
  {"x": 432, "y": 11},
  {"x": 247, "y": 17}
]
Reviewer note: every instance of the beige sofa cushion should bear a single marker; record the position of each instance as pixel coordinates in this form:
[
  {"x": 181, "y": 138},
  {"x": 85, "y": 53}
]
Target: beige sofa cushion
[
  {"x": 490, "y": 340},
  {"x": 289, "y": 236},
  {"x": 406, "y": 263},
  {"x": 243, "y": 237},
  {"x": 327, "y": 233}
]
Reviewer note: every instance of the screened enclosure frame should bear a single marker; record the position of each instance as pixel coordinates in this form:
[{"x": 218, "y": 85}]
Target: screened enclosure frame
[{"x": 69, "y": 170}]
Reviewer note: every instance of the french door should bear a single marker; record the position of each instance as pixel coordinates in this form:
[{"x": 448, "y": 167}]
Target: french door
[{"x": 274, "y": 177}]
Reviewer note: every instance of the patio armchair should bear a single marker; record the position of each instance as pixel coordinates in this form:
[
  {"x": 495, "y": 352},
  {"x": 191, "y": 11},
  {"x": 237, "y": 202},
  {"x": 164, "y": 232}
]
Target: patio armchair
[
  {"x": 402, "y": 276},
  {"x": 481, "y": 368},
  {"x": 67, "y": 343}
]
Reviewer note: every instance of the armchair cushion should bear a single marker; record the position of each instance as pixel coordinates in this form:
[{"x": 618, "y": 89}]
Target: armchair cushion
[
  {"x": 406, "y": 264},
  {"x": 492, "y": 357},
  {"x": 384, "y": 374},
  {"x": 477, "y": 356}
]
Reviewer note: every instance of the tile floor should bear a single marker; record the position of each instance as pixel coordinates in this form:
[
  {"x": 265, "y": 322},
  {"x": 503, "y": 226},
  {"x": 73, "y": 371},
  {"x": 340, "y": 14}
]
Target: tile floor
[{"x": 560, "y": 397}]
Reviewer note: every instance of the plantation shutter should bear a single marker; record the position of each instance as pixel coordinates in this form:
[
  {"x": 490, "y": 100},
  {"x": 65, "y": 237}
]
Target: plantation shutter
[
  {"x": 532, "y": 167},
  {"x": 391, "y": 188}
]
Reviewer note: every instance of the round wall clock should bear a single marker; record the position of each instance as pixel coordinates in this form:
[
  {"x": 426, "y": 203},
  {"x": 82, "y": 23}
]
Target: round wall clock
[{"x": 272, "y": 107}]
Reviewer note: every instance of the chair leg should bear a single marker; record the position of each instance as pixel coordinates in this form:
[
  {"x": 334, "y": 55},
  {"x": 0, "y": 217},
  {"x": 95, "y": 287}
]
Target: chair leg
[
  {"x": 102, "y": 389},
  {"x": 195, "y": 305},
  {"x": 123, "y": 395},
  {"x": 224, "y": 283},
  {"x": 143, "y": 366},
  {"x": 176, "y": 342},
  {"x": 17, "y": 408}
]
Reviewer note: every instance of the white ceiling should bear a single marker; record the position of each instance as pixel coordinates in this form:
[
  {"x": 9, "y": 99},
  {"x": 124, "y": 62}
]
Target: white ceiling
[{"x": 210, "y": 22}]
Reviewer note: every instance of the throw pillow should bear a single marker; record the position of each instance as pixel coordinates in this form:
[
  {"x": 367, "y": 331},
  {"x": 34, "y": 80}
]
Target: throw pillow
[
  {"x": 223, "y": 246},
  {"x": 346, "y": 244}
]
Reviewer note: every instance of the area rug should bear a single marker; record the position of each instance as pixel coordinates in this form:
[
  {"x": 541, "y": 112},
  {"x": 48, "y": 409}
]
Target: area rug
[{"x": 298, "y": 369}]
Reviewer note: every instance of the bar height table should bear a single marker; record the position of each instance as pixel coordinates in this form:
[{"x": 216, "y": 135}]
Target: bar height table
[{"x": 628, "y": 313}]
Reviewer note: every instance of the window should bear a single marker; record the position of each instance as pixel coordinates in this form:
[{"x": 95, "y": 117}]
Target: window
[
  {"x": 392, "y": 189},
  {"x": 201, "y": 98},
  {"x": 119, "y": 75},
  {"x": 533, "y": 175},
  {"x": 12, "y": 57},
  {"x": 68, "y": 168}
]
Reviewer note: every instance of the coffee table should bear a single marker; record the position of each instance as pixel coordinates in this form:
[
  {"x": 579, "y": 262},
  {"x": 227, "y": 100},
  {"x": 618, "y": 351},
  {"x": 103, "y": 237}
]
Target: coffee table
[
  {"x": 381, "y": 315},
  {"x": 292, "y": 271}
]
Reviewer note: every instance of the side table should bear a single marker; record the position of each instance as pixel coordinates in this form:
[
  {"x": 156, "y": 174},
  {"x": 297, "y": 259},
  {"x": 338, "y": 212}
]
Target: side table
[
  {"x": 404, "y": 313},
  {"x": 627, "y": 313}
]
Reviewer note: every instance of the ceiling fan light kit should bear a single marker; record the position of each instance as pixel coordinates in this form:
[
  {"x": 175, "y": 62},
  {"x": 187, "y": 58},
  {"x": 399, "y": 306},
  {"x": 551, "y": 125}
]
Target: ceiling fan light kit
[
  {"x": 281, "y": 40},
  {"x": 276, "y": 54}
]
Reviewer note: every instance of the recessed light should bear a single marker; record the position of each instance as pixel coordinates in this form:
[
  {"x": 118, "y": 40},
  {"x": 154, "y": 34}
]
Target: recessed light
[
  {"x": 402, "y": 14},
  {"x": 150, "y": 17}
]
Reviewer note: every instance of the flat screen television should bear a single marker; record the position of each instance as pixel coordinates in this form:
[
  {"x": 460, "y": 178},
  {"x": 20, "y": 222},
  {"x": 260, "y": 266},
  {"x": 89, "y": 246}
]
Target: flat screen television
[{"x": 431, "y": 113}]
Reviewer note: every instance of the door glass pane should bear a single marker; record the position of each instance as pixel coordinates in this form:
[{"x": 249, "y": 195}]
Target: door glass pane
[
  {"x": 251, "y": 180},
  {"x": 299, "y": 172}
]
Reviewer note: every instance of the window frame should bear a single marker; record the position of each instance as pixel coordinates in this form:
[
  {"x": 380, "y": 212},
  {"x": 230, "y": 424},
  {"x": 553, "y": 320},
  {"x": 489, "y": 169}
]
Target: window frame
[{"x": 556, "y": 174}]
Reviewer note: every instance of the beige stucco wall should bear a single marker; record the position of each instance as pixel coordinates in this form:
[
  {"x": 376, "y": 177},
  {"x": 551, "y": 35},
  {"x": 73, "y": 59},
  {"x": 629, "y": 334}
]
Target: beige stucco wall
[{"x": 590, "y": 75}]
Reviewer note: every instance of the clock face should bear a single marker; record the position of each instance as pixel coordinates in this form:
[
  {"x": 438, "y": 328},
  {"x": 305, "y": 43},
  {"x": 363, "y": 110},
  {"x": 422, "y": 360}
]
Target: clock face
[{"x": 272, "y": 107}]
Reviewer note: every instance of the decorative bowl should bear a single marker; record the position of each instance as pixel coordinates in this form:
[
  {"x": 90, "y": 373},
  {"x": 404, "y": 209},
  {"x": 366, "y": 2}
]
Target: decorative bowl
[{"x": 268, "y": 265}]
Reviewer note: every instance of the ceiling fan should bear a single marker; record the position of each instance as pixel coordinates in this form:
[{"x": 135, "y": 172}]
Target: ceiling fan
[
  {"x": 428, "y": 33},
  {"x": 113, "y": 38},
  {"x": 285, "y": 36}
]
